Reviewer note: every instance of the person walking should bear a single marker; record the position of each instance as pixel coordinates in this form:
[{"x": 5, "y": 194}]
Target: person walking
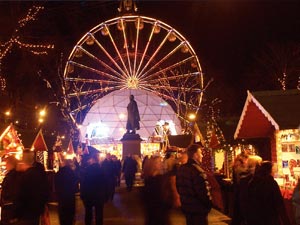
[
  {"x": 33, "y": 191},
  {"x": 129, "y": 169},
  {"x": 93, "y": 190},
  {"x": 193, "y": 188},
  {"x": 108, "y": 169},
  {"x": 157, "y": 193},
  {"x": 66, "y": 182},
  {"x": 9, "y": 191}
]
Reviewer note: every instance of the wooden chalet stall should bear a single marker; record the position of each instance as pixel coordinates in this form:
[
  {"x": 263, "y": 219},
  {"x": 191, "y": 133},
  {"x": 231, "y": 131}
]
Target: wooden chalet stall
[{"x": 271, "y": 119}]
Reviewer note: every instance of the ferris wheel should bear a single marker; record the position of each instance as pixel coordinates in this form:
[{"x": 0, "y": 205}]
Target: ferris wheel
[{"x": 133, "y": 52}]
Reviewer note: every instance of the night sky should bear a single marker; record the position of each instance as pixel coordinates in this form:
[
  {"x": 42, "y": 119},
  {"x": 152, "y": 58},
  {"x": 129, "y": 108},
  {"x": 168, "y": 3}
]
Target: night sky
[{"x": 228, "y": 36}]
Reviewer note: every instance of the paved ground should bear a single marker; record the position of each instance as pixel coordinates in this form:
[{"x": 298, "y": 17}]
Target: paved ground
[{"x": 126, "y": 209}]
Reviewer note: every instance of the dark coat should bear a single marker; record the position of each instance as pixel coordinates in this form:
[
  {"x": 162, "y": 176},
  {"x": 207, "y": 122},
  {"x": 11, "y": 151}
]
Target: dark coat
[
  {"x": 266, "y": 206},
  {"x": 157, "y": 197},
  {"x": 65, "y": 184},
  {"x": 191, "y": 185},
  {"x": 8, "y": 195},
  {"x": 33, "y": 193},
  {"x": 129, "y": 166},
  {"x": 93, "y": 185}
]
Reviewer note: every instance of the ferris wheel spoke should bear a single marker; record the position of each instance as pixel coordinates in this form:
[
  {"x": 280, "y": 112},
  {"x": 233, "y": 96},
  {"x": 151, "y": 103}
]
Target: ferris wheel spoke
[
  {"x": 173, "y": 88},
  {"x": 100, "y": 61},
  {"x": 110, "y": 76},
  {"x": 111, "y": 58},
  {"x": 161, "y": 61},
  {"x": 136, "y": 46},
  {"x": 155, "y": 53},
  {"x": 118, "y": 52},
  {"x": 146, "y": 48},
  {"x": 126, "y": 46},
  {"x": 94, "y": 91},
  {"x": 168, "y": 97},
  {"x": 176, "y": 77},
  {"x": 169, "y": 68},
  {"x": 93, "y": 81}
]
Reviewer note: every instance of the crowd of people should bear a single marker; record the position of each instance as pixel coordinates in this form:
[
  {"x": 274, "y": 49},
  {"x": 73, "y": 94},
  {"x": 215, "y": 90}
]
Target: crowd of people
[
  {"x": 257, "y": 197},
  {"x": 26, "y": 188},
  {"x": 169, "y": 182}
]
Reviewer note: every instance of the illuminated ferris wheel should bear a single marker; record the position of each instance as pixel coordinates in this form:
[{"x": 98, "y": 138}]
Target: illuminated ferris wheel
[{"x": 133, "y": 52}]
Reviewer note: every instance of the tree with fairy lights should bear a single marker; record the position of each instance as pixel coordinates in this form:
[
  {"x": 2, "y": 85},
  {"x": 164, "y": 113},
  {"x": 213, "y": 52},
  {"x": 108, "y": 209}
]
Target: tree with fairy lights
[
  {"x": 16, "y": 40},
  {"x": 281, "y": 61}
]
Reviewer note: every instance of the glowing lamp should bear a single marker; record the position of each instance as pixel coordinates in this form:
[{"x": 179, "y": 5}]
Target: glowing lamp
[{"x": 192, "y": 116}]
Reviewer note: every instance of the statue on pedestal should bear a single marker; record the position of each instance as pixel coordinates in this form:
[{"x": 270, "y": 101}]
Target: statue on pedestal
[{"x": 133, "y": 118}]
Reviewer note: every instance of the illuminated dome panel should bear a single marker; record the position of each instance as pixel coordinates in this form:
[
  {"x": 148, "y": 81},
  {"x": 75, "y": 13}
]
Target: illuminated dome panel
[{"x": 107, "y": 117}]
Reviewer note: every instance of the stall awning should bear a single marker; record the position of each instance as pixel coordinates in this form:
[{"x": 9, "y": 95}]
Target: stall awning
[{"x": 267, "y": 111}]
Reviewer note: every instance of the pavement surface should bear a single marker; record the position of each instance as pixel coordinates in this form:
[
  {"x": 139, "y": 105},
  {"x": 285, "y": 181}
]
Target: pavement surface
[{"x": 126, "y": 209}]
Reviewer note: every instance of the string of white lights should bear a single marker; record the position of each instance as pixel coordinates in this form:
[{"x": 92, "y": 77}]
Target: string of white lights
[{"x": 15, "y": 40}]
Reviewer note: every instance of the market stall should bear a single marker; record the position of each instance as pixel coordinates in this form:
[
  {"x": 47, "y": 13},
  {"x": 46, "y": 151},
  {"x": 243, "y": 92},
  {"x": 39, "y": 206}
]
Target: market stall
[{"x": 270, "y": 119}]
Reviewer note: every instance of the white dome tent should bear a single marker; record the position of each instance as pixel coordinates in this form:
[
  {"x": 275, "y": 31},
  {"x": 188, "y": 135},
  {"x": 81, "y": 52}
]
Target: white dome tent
[{"x": 107, "y": 118}]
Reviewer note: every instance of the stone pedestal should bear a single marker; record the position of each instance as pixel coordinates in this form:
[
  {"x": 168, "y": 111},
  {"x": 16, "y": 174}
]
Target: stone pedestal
[{"x": 131, "y": 145}]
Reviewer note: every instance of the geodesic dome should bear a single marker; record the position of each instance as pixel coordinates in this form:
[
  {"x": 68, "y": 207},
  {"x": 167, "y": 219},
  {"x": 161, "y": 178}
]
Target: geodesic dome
[{"x": 108, "y": 116}]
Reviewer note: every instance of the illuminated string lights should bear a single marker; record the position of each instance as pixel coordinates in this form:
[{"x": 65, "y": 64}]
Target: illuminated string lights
[
  {"x": 36, "y": 49},
  {"x": 282, "y": 81}
]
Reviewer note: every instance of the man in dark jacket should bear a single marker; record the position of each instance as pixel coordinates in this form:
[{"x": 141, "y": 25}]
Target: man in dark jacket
[
  {"x": 93, "y": 190},
  {"x": 193, "y": 188}
]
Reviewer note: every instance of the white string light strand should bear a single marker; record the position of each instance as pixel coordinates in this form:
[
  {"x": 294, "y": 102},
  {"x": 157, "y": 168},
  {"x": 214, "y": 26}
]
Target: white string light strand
[{"x": 36, "y": 49}]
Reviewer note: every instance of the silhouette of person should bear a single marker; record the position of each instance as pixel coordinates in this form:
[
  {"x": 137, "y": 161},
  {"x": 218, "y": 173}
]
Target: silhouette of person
[
  {"x": 33, "y": 190},
  {"x": 129, "y": 169},
  {"x": 133, "y": 118},
  {"x": 66, "y": 183},
  {"x": 9, "y": 190},
  {"x": 93, "y": 190}
]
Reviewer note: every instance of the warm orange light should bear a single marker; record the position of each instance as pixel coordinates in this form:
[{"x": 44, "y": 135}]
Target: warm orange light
[
  {"x": 192, "y": 116},
  {"x": 42, "y": 113}
]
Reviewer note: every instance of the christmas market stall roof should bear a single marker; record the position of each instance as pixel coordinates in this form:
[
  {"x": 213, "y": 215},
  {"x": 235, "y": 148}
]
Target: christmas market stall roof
[
  {"x": 39, "y": 139},
  {"x": 267, "y": 111}
]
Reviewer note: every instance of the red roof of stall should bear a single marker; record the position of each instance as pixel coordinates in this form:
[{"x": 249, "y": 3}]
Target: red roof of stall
[
  {"x": 39, "y": 143},
  {"x": 267, "y": 111}
]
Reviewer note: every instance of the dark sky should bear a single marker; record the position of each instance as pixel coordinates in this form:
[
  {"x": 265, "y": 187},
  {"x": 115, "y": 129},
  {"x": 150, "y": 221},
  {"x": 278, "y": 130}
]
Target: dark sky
[{"x": 227, "y": 36}]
